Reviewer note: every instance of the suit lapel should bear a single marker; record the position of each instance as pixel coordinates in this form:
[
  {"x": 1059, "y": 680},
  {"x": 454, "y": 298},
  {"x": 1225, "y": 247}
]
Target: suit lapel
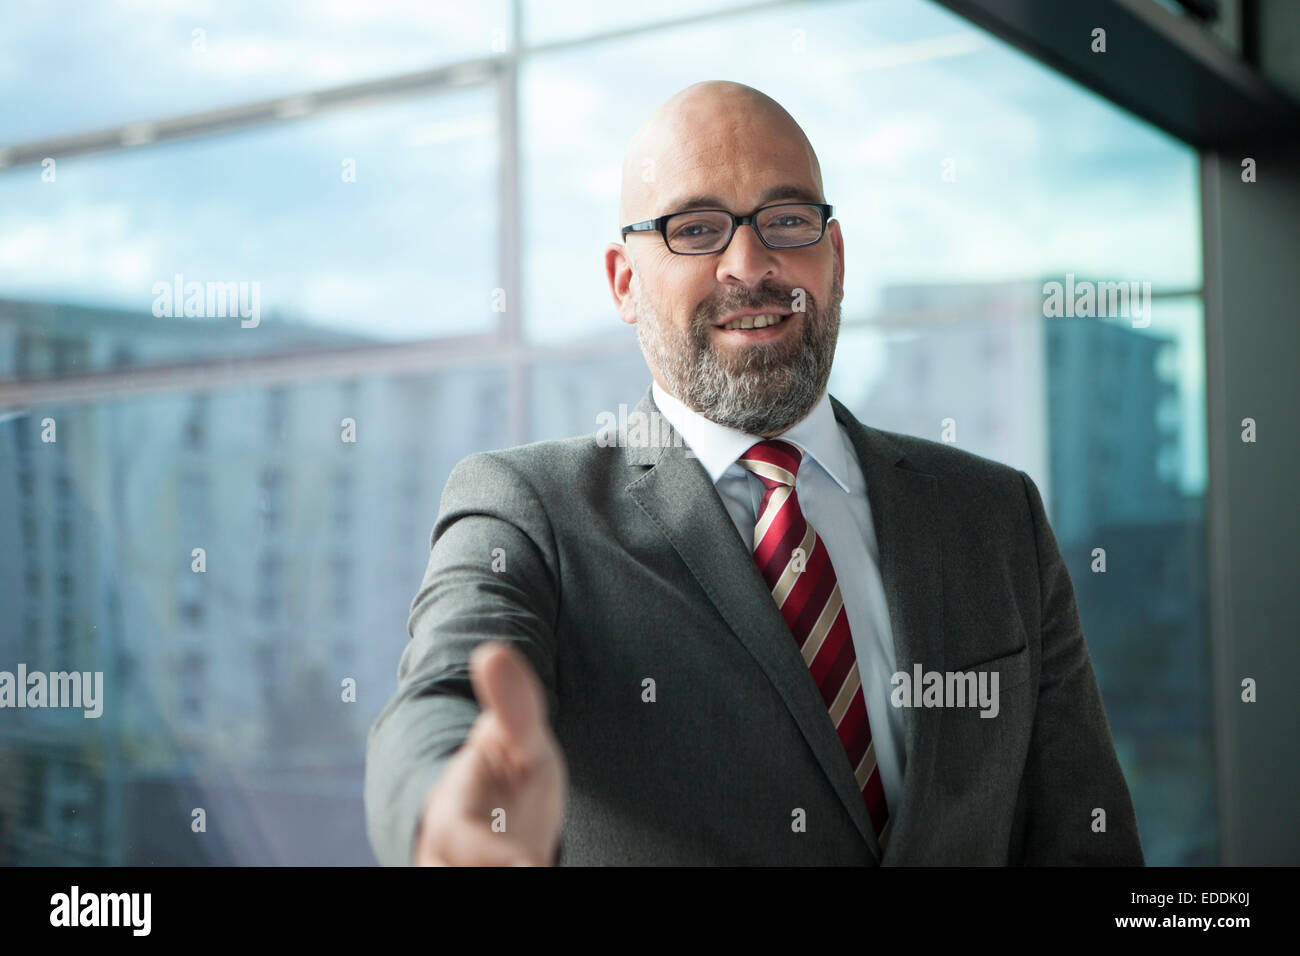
[
  {"x": 677, "y": 495},
  {"x": 903, "y": 510}
]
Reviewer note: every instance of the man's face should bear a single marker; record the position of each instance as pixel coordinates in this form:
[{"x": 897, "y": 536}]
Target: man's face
[{"x": 759, "y": 380}]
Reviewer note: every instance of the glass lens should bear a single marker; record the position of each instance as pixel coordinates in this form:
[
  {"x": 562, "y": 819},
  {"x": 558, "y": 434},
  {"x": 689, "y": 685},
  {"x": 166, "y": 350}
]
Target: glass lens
[
  {"x": 698, "y": 231},
  {"x": 790, "y": 224}
]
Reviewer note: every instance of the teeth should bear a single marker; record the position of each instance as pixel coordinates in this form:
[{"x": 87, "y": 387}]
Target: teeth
[{"x": 753, "y": 322}]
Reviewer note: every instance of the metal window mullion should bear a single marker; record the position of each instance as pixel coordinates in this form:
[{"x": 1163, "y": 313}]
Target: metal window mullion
[
  {"x": 1218, "y": 518},
  {"x": 509, "y": 242}
]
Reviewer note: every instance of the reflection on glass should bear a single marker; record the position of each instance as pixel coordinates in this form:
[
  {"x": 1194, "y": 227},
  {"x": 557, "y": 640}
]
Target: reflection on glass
[
  {"x": 224, "y": 608},
  {"x": 958, "y": 201},
  {"x": 324, "y": 233},
  {"x": 70, "y": 67}
]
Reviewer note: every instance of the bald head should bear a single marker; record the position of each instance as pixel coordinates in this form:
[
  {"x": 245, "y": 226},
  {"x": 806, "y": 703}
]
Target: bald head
[{"x": 715, "y": 138}]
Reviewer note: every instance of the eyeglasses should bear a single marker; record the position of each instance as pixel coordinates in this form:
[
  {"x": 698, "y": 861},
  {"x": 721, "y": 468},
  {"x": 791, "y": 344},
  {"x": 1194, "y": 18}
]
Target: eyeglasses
[{"x": 698, "y": 232}]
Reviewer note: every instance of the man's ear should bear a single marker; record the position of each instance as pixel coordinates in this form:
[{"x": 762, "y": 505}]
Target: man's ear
[
  {"x": 837, "y": 243},
  {"x": 618, "y": 270}
]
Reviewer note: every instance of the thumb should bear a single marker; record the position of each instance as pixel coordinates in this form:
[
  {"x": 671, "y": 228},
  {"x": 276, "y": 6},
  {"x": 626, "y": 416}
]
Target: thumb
[{"x": 505, "y": 683}]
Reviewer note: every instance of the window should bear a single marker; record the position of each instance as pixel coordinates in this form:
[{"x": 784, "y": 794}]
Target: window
[
  {"x": 341, "y": 582},
  {"x": 271, "y": 496},
  {"x": 196, "y": 423},
  {"x": 192, "y": 669},
  {"x": 342, "y": 503},
  {"x": 270, "y": 585},
  {"x": 243, "y": 51},
  {"x": 314, "y": 234},
  {"x": 269, "y": 659},
  {"x": 276, "y": 411},
  {"x": 385, "y": 275},
  {"x": 66, "y": 652},
  {"x": 1038, "y": 168}
]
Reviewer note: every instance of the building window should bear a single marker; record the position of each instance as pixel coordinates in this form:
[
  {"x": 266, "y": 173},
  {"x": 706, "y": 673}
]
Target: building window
[
  {"x": 342, "y": 510},
  {"x": 67, "y": 643},
  {"x": 196, "y": 424},
  {"x": 276, "y": 408},
  {"x": 192, "y": 613},
  {"x": 268, "y": 660},
  {"x": 33, "y": 634},
  {"x": 270, "y": 585},
  {"x": 191, "y": 680},
  {"x": 271, "y": 500},
  {"x": 341, "y": 584}
]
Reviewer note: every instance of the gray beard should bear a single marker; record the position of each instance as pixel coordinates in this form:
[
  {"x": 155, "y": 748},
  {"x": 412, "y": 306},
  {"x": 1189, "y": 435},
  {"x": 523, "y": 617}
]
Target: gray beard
[{"x": 771, "y": 387}]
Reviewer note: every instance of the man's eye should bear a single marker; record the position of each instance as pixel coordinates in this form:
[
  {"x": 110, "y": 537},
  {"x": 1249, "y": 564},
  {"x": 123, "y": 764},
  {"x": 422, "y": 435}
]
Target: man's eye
[{"x": 693, "y": 230}]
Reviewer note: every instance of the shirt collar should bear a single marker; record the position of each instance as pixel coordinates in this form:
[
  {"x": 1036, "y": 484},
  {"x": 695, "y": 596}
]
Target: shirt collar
[{"x": 717, "y": 446}]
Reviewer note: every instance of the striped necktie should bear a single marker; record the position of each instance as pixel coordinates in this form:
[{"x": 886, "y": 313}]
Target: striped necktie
[{"x": 796, "y": 566}]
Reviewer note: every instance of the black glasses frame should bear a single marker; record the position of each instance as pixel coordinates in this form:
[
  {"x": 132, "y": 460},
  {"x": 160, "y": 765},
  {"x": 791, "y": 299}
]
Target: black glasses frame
[{"x": 660, "y": 223}]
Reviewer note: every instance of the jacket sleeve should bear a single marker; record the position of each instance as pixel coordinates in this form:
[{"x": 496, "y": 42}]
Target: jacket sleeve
[
  {"x": 492, "y": 575},
  {"x": 1072, "y": 769}
]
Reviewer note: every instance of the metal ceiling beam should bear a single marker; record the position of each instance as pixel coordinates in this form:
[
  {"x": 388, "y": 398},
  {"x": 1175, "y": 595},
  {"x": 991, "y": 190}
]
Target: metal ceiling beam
[{"x": 1165, "y": 68}]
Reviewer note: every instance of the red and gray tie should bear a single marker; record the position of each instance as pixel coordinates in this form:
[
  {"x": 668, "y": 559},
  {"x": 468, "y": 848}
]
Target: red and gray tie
[{"x": 794, "y": 563}]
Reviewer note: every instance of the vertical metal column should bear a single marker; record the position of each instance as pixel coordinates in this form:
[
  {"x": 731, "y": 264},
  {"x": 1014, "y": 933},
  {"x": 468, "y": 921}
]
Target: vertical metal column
[
  {"x": 1218, "y": 515},
  {"x": 510, "y": 269}
]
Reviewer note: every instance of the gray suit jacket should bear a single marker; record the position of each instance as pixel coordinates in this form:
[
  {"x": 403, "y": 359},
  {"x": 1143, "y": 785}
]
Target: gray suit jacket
[{"x": 622, "y": 564}]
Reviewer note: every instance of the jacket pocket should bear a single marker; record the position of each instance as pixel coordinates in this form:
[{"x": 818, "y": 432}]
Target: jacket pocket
[{"x": 1012, "y": 669}]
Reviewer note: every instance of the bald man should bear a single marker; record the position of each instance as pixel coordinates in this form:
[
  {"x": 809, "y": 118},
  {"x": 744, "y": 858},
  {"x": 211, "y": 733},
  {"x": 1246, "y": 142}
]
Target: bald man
[{"x": 746, "y": 629}]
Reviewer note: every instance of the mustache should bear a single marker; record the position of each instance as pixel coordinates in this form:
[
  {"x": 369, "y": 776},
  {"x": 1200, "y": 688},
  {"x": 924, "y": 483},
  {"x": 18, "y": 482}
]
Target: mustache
[{"x": 710, "y": 313}]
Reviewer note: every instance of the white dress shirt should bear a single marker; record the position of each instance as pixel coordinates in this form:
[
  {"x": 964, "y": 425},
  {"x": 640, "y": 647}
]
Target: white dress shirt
[{"x": 833, "y": 497}]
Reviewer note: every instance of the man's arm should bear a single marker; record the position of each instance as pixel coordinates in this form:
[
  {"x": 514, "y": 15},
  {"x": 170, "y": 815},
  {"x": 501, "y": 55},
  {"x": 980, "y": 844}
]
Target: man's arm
[
  {"x": 1072, "y": 769},
  {"x": 492, "y": 575}
]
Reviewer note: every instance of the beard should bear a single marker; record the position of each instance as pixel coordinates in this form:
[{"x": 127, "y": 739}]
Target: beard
[{"x": 760, "y": 388}]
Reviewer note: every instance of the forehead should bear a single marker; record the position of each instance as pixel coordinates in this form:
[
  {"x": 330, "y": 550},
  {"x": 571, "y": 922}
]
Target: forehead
[
  {"x": 733, "y": 160},
  {"x": 777, "y": 193}
]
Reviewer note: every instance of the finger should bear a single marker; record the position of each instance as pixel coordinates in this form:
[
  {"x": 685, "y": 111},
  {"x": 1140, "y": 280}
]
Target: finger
[{"x": 504, "y": 682}]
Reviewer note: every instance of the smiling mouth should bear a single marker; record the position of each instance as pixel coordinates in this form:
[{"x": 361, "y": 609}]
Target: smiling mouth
[{"x": 756, "y": 321}]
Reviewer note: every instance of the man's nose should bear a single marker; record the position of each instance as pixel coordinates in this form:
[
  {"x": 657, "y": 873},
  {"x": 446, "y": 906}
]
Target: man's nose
[{"x": 746, "y": 259}]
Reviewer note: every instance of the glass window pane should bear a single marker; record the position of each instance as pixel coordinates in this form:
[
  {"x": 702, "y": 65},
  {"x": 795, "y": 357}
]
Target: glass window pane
[
  {"x": 222, "y": 688},
  {"x": 966, "y": 177},
  {"x": 70, "y": 67},
  {"x": 371, "y": 224},
  {"x": 567, "y": 396},
  {"x": 960, "y": 201},
  {"x": 933, "y": 177},
  {"x": 547, "y": 21}
]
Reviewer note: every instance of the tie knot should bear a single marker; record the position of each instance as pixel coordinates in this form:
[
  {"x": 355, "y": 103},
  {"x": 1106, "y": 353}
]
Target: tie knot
[{"x": 776, "y": 462}]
